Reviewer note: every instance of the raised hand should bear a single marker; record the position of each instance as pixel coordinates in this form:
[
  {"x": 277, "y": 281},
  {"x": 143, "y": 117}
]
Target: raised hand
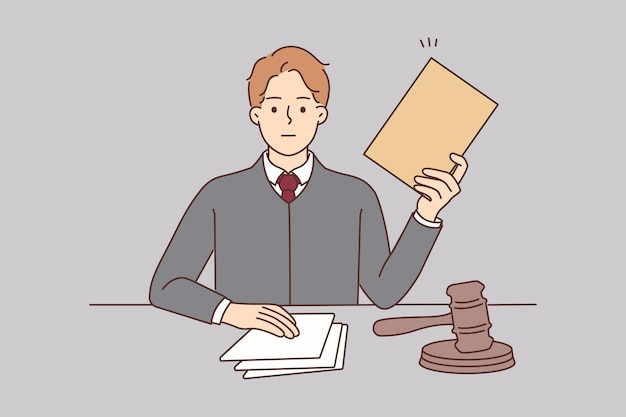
[
  {"x": 438, "y": 187},
  {"x": 267, "y": 317}
]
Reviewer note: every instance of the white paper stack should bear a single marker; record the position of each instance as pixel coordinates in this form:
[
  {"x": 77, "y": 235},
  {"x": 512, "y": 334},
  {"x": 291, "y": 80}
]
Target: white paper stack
[{"x": 320, "y": 346}]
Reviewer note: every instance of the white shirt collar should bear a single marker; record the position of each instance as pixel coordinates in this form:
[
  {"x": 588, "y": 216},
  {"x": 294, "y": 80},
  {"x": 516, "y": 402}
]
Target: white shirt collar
[{"x": 303, "y": 172}]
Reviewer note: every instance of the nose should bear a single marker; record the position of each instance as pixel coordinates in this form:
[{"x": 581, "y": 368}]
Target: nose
[{"x": 288, "y": 117}]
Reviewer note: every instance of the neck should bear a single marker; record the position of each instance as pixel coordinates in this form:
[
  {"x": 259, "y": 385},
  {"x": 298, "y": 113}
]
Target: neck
[{"x": 288, "y": 162}]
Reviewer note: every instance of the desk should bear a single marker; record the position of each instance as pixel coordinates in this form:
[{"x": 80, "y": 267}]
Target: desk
[{"x": 148, "y": 361}]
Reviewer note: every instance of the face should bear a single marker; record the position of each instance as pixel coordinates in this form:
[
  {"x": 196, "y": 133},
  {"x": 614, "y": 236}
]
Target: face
[{"x": 289, "y": 115}]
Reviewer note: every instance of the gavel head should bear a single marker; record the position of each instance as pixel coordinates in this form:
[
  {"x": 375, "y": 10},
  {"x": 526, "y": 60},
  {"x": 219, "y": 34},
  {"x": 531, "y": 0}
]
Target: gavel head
[{"x": 470, "y": 319}]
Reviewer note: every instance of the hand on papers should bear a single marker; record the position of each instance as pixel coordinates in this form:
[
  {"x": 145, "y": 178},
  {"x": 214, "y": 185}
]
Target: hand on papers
[
  {"x": 320, "y": 347},
  {"x": 267, "y": 317},
  {"x": 438, "y": 187}
]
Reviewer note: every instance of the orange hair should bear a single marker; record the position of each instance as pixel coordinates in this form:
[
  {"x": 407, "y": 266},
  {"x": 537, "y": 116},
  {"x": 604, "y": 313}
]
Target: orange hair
[{"x": 288, "y": 58}]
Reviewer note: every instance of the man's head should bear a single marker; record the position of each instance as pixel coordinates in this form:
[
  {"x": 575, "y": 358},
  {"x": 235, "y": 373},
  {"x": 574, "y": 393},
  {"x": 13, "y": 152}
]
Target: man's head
[{"x": 288, "y": 91}]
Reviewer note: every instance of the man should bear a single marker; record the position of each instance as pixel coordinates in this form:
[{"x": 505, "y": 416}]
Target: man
[{"x": 287, "y": 230}]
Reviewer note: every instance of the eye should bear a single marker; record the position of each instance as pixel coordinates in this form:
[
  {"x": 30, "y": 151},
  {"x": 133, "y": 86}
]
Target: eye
[
  {"x": 302, "y": 109},
  {"x": 274, "y": 109}
]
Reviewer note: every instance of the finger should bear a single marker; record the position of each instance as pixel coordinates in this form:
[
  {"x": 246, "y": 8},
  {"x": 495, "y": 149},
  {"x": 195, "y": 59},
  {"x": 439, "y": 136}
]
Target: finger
[
  {"x": 281, "y": 311},
  {"x": 270, "y": 317},
  {"x": 429, "y": 193},
  {"x": 439, "y": 185},
  {"x": 269, "y": 322},
  {"x": 266, "y": 326},
  {"x": 276, "y": 322},
  {"x": 460, "y": 168},
  {"x": 281, "y": 314},
  {"x": 444, "y": 177}
]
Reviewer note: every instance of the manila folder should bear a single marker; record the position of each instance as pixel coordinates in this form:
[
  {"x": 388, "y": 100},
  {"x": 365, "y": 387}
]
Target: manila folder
[{"x": 440, "y": 114}]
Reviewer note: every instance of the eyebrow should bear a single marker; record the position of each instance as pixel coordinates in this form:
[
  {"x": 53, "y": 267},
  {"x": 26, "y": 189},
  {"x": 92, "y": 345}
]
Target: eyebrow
[
  {"x": 270, "y": 98},
  {"x": 306, "y": 98}
]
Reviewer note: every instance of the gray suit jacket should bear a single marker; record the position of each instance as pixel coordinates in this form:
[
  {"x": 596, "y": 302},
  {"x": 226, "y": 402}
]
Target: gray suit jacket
[{"x": 317, "y": 250}]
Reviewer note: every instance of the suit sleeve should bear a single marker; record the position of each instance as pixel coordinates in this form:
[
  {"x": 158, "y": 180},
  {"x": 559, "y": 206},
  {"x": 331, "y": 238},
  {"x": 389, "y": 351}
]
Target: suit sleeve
[
  {"x": 387, "y": 277},
  {"x": 174, "y": 284}
]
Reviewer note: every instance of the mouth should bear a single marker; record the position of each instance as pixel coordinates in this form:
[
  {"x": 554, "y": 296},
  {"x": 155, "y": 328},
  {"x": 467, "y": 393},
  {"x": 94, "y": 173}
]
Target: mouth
[{"x": 288, "y": 136}]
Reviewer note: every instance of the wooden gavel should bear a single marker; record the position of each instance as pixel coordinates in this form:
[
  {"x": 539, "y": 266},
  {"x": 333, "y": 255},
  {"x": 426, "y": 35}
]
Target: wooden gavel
[{"x": 468, "y": 315}]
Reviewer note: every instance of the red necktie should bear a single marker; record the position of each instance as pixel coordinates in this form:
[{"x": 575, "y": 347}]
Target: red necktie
[{"x": 288, "y": 184}]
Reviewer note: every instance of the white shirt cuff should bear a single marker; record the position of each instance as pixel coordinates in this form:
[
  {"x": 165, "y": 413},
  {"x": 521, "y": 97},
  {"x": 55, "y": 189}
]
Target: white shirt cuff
[
  {"x": 427, "y": 223},
  {"x": 220, "y": 310}
]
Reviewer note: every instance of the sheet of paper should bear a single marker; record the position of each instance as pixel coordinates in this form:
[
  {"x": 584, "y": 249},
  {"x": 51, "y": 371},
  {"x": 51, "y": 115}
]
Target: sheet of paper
[
  {"x": 257, "y": 344},
  {"x": 440, "y": 114},
  {"x": 326, "y": 360},
  {"x": 341, "y": 352}
]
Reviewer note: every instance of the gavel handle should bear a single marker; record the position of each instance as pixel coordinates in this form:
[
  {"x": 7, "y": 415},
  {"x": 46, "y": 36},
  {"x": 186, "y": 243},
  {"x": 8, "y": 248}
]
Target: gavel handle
[{"x": 395, "y": 326}]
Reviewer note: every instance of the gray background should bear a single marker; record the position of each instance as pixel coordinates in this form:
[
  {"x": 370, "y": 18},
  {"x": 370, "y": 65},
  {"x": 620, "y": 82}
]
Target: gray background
[{"x": 113, "y": 114}]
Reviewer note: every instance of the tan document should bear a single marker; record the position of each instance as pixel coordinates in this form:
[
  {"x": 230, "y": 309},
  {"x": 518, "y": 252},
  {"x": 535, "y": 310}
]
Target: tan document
[{"x": 440, "y": 114}]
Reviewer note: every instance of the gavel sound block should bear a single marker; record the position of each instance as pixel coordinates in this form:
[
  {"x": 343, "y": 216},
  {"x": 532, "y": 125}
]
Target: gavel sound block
[{"x": 473, "y": 351}]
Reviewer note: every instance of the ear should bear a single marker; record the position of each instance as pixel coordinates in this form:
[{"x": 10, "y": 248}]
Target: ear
[
  {"x": 322, "y": 114},
  {"x": 255, "y": 115}
]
